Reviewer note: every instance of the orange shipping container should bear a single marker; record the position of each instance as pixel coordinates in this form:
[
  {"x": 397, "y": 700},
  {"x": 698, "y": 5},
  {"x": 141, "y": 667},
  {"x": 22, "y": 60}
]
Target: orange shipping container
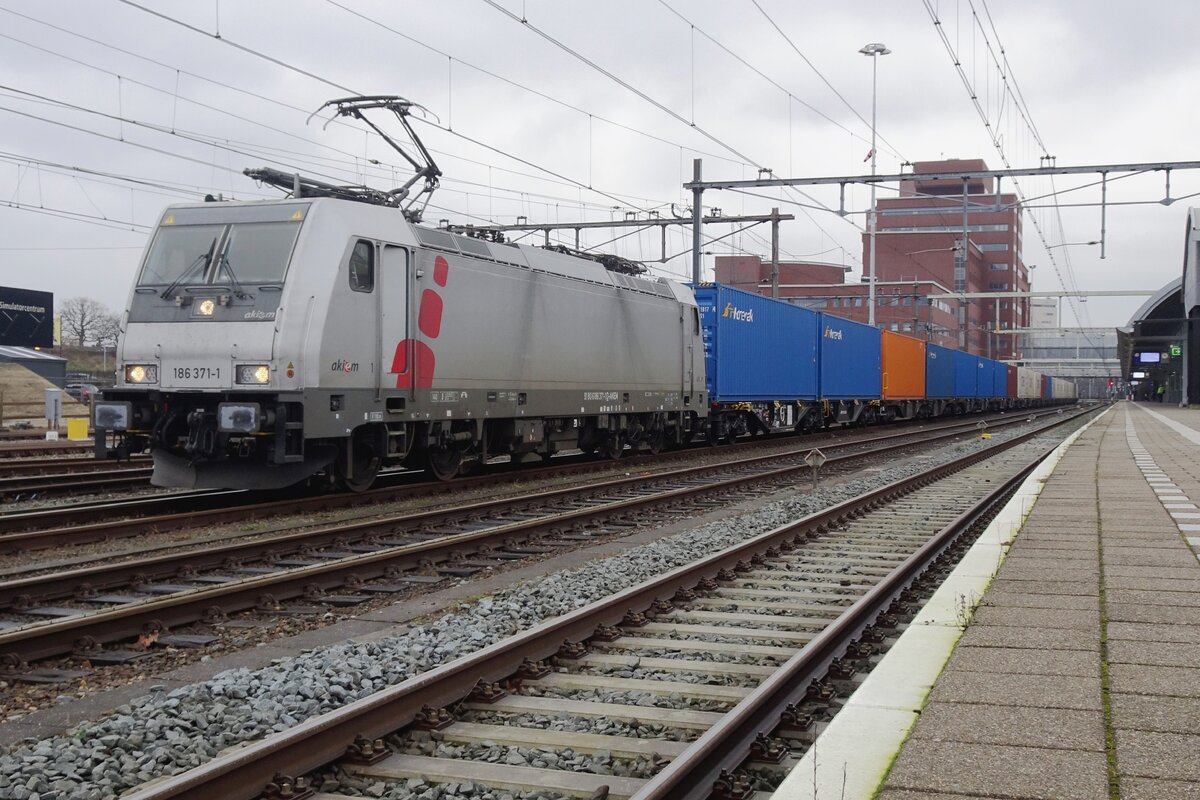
[{"x": 903, "y": 367}]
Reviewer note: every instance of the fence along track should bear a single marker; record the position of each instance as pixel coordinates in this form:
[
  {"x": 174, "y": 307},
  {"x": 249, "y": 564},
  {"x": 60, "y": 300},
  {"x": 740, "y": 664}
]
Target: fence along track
[{"x": 782, "y": 555}]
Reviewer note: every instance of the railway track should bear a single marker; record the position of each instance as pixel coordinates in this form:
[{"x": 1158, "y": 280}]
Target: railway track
[
  {"x": 108, "y": 477},
  {"x": 128, "y": 517},
  {"x": 32, "y": 448},
  {"x": 53, "y": 465},
  {"x": 80, "y": 610},
  {"x": 708, "y": 679}
]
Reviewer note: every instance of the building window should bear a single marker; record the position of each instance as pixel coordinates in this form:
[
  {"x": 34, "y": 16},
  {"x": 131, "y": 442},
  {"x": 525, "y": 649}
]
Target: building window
[
  {"x": 896, "y": 212},
  {"x": 908, "y": 327},
  {"x": 858, "y": 302},
  {"x": 997, "y": 267},
  {"x": 998, "y": 287},
  {"x": 944, "y": 229},
  {"x": 834, "y": 302},
  {"x": 993, "y": 248}
]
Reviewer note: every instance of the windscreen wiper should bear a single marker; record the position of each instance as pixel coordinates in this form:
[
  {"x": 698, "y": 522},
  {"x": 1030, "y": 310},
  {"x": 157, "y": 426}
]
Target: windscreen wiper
[
  {"x": 235, "y": 284},
  {"x": 203, "y": 258}
]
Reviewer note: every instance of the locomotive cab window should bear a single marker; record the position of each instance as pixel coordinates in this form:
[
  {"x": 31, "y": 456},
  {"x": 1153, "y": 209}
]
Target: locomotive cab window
[{"x": 362, "y": 267}]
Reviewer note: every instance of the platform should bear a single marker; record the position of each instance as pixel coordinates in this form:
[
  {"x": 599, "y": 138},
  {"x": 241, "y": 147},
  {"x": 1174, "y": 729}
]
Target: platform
[{"x": 1078, "y": 675}]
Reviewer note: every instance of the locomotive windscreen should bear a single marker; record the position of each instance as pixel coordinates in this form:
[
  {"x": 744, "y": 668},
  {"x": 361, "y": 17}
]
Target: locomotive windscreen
[{"x": 204, "y": 246}]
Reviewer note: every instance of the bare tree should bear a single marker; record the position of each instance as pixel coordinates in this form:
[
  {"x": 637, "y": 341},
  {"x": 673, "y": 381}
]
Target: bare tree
[
  {"x": 105, "y": 330},
  {"x": 80, "y": 318}
]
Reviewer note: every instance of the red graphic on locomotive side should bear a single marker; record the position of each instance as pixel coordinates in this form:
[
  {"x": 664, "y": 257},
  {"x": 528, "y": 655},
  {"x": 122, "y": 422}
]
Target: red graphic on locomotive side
[{"x": 419, "y": 374}]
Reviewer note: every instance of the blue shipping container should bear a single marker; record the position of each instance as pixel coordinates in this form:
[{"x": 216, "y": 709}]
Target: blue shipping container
[
  {"x": 999, "y": 379},
  {"x": 939, "y": 371},
  {"x": 851, "y": 359},
  {"x": 986, "y": 386},
  {"x": 756, "y": 348},
  {"x": 966, "y": 374}
]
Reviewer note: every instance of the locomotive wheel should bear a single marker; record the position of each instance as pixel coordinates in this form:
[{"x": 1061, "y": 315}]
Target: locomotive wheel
[
  {"x": 367, "y": 455},
  {"x": 445, "y": 463},
  {"x": 613, "y": 447},
  {"x": 655, "y": 441}
]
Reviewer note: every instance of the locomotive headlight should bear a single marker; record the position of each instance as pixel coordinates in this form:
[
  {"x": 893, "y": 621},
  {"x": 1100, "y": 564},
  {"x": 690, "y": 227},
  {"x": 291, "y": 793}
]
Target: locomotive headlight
[
  {"x": 206, "y": 307},
  {"x": 253, "y": 374},
  {"x": 141, "y": 373}
]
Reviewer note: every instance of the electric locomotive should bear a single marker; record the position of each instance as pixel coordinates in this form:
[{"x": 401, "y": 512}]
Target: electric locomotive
[{"x": 266, "y": 342}]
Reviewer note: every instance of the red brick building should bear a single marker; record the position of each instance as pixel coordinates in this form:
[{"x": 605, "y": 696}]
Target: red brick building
[{"x": 919, "y": 255}]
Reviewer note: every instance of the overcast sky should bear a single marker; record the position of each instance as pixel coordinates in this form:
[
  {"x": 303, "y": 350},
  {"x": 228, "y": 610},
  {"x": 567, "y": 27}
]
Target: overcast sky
[{"x": 98, "y": 134}]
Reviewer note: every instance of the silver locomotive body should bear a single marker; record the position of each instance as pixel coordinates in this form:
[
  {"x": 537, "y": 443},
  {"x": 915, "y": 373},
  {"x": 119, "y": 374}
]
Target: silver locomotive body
[{"x": 267, "y": 342}]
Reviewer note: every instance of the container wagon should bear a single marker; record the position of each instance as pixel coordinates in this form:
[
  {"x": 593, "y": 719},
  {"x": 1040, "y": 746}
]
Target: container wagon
[
  {"x": 1029, "y": 388},
  {"x": 939, "y": 379},
  {"x": 850, "y": 367},
  {"x": 998, "y": 398},
  {"x": 902, "y": 383},
  {"x": 760, "y": 359},
  {"x": 966, "y": 382}
]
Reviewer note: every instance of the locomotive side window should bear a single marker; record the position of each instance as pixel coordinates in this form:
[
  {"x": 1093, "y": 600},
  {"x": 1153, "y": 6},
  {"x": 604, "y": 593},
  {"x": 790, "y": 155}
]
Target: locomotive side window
[{"x": 362, "y": 267}]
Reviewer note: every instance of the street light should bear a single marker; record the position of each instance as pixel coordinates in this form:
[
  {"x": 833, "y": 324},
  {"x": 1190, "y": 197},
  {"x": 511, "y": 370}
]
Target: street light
[
  {"x": 1071, "y": 244},
  {"x": 873, "y": 50}
]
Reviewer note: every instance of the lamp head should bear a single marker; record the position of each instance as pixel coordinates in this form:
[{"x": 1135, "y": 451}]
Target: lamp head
[{"x": 874, "y": 49}]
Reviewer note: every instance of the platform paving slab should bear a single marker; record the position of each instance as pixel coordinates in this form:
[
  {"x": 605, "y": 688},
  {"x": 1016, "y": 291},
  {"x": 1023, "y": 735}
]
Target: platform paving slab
[
  {"x": 1004, "y": 661},
  {"x": 1069, "y": 588},
  {"x": 1052, "y": 728},
  {"x": 1158, "y": 584},
  {"x": 1157, "y": 654},
  {"x": 1151, "y": 754},
  {"x": 1033, "y": 691},
  {"x": 1076, "y": 619},
  {"x": 1152, "y": 680},
  {"x": 1169, "y": 615},
  {"x": 1014, "y": 599},
  {"x": 1000, "y": 771},
  {"x": 1154, "y": 789},
  {"x": 905, "y": 794},
  {"x": 1152, "y": 632},
  {"x": 1031, "y": 638},
  {"x": 1151, "y": 598},
  {"x": 1156, "y": 713}
]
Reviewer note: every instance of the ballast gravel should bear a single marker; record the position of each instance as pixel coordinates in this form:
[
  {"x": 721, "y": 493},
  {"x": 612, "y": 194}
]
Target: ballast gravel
[
  {"x": 599, "y": 725},
  {"x": 164, "y": 733}
]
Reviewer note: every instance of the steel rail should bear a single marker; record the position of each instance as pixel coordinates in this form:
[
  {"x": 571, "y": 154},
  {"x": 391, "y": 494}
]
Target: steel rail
[
  {"x": 242, "y": 773},
  {"x": 44, "y": 640},
  {"x": 54, "y": 465},
  {"x": 71, "y": 482},
  {"x": 348, "y": 532},
  {"x": 16, "y": 533}
]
